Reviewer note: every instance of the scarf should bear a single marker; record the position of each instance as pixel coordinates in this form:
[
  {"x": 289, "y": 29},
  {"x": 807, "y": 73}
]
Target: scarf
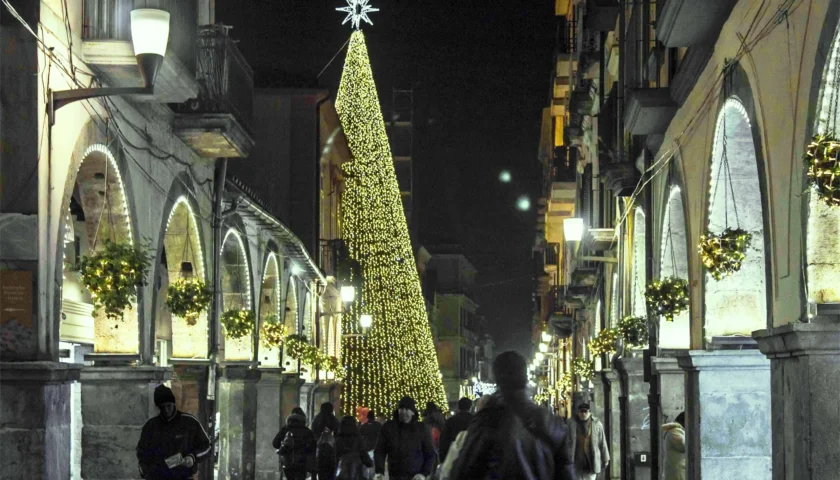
[{"x": 583, "y": 451}]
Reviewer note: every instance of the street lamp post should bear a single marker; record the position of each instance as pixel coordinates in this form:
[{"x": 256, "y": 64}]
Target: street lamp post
[{"x": 149, "y": 34}]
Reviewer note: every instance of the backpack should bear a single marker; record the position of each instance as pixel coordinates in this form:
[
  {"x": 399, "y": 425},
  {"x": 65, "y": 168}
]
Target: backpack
[
  {"x": 349, "y": 466},
  {"x": 288, "y": 455},
  {"x": 326, "y": 453}
]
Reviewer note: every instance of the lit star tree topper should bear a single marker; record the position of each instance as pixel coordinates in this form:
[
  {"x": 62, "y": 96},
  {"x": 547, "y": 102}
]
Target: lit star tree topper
[
  {"x": 357, "y": 10},
  {"x": 397, "y": 356}
]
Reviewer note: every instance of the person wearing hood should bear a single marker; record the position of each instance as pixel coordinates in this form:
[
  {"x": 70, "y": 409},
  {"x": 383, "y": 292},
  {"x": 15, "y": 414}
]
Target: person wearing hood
[
  {"x": 349, "y": 448},
  {"x": 325, "y": 420},
  {"x": 406, "y": 444},
  {"x": 296, "y": 445},
  {"x": 172, "y": 443},
  {"x": 455, "y": 425},
  {"x": 589, "y": 444},
  {"x": 511, "y": 437},
  {"x": 674, "y": 443}
]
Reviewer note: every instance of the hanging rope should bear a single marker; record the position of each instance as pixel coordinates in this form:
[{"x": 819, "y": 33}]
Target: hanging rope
[
  {"x": 831, "y": 123},
  {"x": 724, "y": 170}
]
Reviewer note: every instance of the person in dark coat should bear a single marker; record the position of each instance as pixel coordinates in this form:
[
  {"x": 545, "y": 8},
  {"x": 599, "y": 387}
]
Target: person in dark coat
[
  {"x": 325, "y": 420},
  {"x": 511, "y": 437},
  {"x": 370, "y": 432},
  {"x": 296, "y": 445},
  {"x": 406, "y": 444},
  {"x": 349, "y": 451},
  {"x": 433, "y": 420},
  {"x": 171, "y": 444},
  {"x": 455, "y": 425}
]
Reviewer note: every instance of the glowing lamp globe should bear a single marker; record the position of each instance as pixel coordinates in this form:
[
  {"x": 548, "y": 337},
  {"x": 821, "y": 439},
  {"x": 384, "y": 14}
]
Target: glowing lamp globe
[
  {"x": 573, "y": 229},
  {"x": 365, "y": 320},
  {"x": 546, "y": 337},
  {"x": 149, "y": 35},
  {"x": 539, "y": 356},
  {"x": 543, "y": 347},
  {"x": 348, "y": 294}
]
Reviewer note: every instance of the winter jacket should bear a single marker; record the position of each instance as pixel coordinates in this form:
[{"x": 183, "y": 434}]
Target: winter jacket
[
  {"x": 370, "y": 435},
  {"x": 302, "y": 449},
  {"x": 512, "y": 438},
  {"x": 351, "y": 456},
  {"x": 674, "y": 446},
  {"x": 600, "y": 452},
  {"x": 324, "y": 420},
  {"x": 161, "y": 439},
  {"x": 408, "y": 448},
  {"x": 455, "y": 425}
]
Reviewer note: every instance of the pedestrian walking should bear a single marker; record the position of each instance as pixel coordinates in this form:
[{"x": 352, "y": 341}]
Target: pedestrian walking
[
  {"x": 674, "y": 442},
  {"x": 325, "y": 420},
  {"x": 455, "y": 425},
  {"x": 511, "y": 437},
  {"x": 173, "y": 443},
  {"x": 589, "y": 444},
  {"x": 433, "y": 420},
  {"x": 349, "y": 448},
  {"x": 405, "y": 444},
  {"x": 370, "y": 436},
  {"x": 296, "y": 445}
]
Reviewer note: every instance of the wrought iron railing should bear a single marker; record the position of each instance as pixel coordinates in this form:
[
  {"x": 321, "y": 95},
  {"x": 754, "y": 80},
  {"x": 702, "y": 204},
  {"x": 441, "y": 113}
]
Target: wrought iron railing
[{"x": 227, "y": 81}]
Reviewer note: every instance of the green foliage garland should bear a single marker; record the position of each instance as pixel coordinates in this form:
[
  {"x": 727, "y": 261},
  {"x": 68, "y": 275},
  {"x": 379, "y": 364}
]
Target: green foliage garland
[
  {"x": 582, "y": 368},
  {"x": 113, "y": 274},
  {"x": 272, "y": 331},
  {"x": 238, "y": 323},
  {"x": 821, "y": 158},
  {"x": 723, "y": 254},
  {"x": 187, "y": 298},
  {"x": 667, "y": 297},
  {"x": 634, "y": 330},
  {"x": 299, "y": 348},
  {"x": 605, "y": 343}
]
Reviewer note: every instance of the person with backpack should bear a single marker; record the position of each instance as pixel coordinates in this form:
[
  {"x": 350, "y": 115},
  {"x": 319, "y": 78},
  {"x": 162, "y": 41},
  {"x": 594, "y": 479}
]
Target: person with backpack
[
  {"x": 406, "y": 445},
  {"x": 324, "y": 426},
  {"x": 349, "y": 450},
  {"x": 511, "y": 437},
  {"x": 370, "y": 435},
  {"x": 296, "y": 445}
]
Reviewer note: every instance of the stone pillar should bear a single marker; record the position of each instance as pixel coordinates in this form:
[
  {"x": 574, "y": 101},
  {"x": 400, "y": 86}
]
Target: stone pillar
[
  {"x": 189, "y": 384},
  {"x": 598, "y": 406},
  {"x": 238, "y": 422},
  {"x": 636, "y": 421},
  {"x": 116, "y": 403},
  {"x": 35, "y": 419},
  {"x": 270, "y": 419},
  {"x": 672, "y": 395},
  {"x": 727, "y": 414},
  {"x": 804, "y": 361},
  {"x": 611, "y": 376}
]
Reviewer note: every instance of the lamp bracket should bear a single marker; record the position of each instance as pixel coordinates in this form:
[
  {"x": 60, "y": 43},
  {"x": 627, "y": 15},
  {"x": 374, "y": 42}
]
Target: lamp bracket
[{"x": 61, "y": 98}]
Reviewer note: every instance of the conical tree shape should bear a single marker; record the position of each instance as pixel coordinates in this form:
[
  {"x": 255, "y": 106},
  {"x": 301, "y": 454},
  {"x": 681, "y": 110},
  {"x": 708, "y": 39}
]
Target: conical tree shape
[{"x": 397, "y": 357}]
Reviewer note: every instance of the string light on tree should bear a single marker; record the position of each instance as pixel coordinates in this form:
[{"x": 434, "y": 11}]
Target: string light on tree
[
  {"x": 397, "y": 356},
  {"x": 357, "y": 10}
]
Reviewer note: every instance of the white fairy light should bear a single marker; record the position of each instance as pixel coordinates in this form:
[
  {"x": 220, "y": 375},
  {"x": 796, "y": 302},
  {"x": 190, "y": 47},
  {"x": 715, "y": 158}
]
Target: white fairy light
[{"x": 357, "y": 10}]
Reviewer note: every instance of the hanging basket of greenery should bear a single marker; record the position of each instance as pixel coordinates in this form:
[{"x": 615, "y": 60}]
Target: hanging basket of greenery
[
  {"x": 583, "y": 369},
  {"x": 296, "y": 346},
  {"x": 605, "y": 343},
  {"x": 299, "y": 348},
  {"x": 113, "y": 274},
  {"x": 634, "y": 331},
  {"x": 822, "y": 157},
  {"x": 238, "y": 323},
  {"x": 723, "y": 254},
  {"x": 667, "y": 297},
  {"x": 272, "y": 331},
  {"x": 187, "y": 298}
]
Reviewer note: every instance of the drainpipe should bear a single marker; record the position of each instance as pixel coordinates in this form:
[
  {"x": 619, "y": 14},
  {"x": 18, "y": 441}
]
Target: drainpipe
[
  {"x": 219, "y": 174},
  {"x": 322, "y": 97},
  {"x": 653, "y": 333}
]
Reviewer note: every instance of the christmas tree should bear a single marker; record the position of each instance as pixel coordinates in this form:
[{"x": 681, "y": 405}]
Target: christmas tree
[{"x": 397, "y": 356}]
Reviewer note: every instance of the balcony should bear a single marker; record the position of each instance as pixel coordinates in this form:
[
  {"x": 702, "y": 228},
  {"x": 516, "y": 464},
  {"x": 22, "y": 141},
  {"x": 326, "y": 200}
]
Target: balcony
[
  {"x": 602, "y": 15},
  {"x": 649, "y": 111},
  {"x": 218, "y": 122},
  {"x": 621, "y": 178},
  {"x": 684, "y": 23},
  {"x": 107, "y": 48}
]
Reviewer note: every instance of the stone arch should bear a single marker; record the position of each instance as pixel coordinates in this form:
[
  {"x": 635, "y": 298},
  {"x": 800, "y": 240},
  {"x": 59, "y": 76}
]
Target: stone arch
[
  {"x": 96, "y": 206},
  {"x": 236, "y": 291},
  {"x": 180, "y": 255},
  {"x": 673, "y": 261},
  {"x": 270, "y": 304},
  {"x": 637, "y": 297},
  {"x": 290, "y": 318},
  {"x": 822, "y": 253},
  {"x": 737, "y": 304}
]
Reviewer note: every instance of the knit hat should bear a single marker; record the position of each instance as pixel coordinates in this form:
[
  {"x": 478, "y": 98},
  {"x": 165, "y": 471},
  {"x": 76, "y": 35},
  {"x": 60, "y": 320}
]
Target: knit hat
[
  {"x": 510, "y": 371},
  {"x": 583, "y": 406},
  {"x": 409, "y": 403},
  {"x": 163, "y": 395},
  {"x": 464, "y": 404}
]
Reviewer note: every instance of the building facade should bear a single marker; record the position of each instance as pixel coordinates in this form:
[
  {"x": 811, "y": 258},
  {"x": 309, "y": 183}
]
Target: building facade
[{"x": 671, "y": 122}]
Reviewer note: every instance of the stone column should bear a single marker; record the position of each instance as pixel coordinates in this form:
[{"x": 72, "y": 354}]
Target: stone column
[
  {"x": 35, "y": 419},
  {"x": 727, "y": 414},
  {"x": 190, "y": 384},
  {"x": 672, "y": 394},
  {"x": 611, "y": 376},
  {"x": 636, "y": 421},
  {"x": 238, "y": 422},
  {"x": 804, "y": 361},
  {"x": 116, "y": 403},
  {"x": 599, "y": 406},
  {"x": 270, "y": 419}
]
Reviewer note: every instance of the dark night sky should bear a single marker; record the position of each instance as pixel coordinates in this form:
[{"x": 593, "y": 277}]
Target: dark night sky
[{"x": 481, "y": 72}]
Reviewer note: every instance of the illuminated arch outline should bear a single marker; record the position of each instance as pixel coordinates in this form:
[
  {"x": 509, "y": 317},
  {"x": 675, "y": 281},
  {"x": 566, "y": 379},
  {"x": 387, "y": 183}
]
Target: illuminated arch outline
[
  {"x": 238, "y": 237},
  {"x": 182, "y": 200}
]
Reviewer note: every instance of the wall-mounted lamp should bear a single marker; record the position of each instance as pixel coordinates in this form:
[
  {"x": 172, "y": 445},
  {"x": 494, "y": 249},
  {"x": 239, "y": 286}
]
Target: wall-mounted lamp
[
  {"x": 539, "y": 356},
  {"x": 149, "y": 34},
  {"x": 543, "y": 347},
  {"x": 573, "y": 229},
  {"x": 365, "y": 320},
  {"x": 348, "y": 293},
  {"x": 546, "y": 337}
]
